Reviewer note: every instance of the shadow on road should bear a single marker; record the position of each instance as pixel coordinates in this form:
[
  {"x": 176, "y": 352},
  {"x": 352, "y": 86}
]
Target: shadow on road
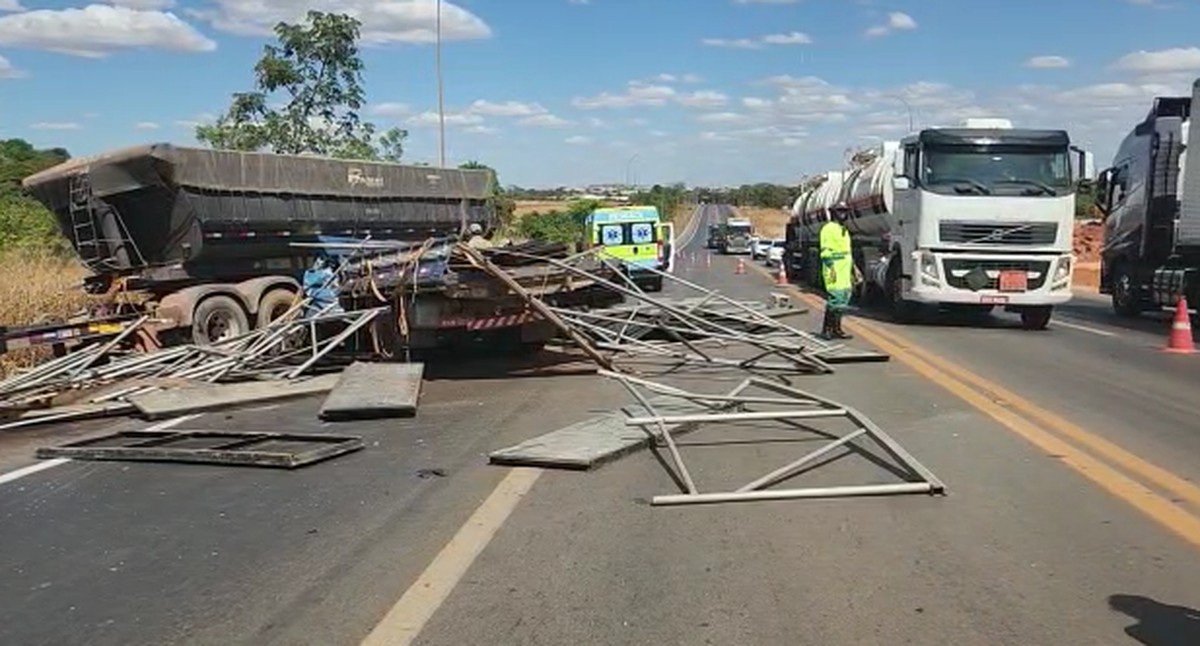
[{"x": 1158, "y": 624}]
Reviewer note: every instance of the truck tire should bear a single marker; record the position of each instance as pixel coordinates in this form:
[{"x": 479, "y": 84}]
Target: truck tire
[
  {"x": 218, "y": 318},
  {"x": 274, "y": 304},
  {"x": 1126, "y": 297},
  {"x": 902, "y": 311},
  {"x": 1036, "y": 318}
]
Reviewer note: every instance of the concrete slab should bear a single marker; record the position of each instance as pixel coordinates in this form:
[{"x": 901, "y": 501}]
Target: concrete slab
[
  {"x": 201, "y": 398},
  {"x": 373, "y": 391},
  {"x": 594, "y": 441}
]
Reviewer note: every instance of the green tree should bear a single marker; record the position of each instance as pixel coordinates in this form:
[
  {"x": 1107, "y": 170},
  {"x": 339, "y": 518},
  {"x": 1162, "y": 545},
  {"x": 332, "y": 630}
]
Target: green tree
[
  {"x": 314, "y": 75},
  {"x": 24, "y": 222}
]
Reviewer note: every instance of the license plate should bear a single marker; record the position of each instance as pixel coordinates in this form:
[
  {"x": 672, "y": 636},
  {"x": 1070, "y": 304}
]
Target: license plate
[
  {"x": 1014, "y": 281},
  {"x": 993, "y": 300}
]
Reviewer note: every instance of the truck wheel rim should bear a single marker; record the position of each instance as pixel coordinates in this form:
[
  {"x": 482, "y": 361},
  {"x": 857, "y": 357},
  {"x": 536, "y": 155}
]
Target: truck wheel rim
[{"x": 220, "y": 326}]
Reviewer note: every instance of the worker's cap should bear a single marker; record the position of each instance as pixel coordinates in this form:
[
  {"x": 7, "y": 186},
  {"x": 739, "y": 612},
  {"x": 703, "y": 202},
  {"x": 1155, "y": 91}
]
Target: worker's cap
[
  {"x": 840, "y": 207},
  {"x": 475, "y": 228}
]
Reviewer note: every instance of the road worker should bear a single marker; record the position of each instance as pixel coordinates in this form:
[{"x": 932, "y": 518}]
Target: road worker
[
  {"x": 838, "y": 271},
  {"x": 475, "y": 237}
]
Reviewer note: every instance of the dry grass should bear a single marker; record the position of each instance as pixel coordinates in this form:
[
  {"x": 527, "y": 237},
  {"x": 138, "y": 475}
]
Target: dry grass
[
  {"x": 36, "y": 287},
  {"x": 525, "y": 207},
  {"x": 768, "y": 223}
]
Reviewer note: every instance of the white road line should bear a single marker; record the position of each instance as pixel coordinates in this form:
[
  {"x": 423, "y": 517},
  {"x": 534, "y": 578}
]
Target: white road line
[
  {"x": 1083, "y": 328},
  {"x": 408, "y": 617},
  {"x": 42, "y": 466},
  {"x": 31, "y": 469}
]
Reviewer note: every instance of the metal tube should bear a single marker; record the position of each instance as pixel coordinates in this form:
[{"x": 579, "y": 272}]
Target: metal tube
[
  {"x": 367, "y": 317},
  {"x": 788, "y": 469},
  {"x": 666, "y": 434},
  {"x": 738, "y": 417},
  {"x": 792, "y": 494}
]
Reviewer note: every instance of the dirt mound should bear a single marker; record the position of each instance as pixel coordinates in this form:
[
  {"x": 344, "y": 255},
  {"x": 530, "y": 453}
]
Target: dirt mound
[{"x": 1089, "y": 238}]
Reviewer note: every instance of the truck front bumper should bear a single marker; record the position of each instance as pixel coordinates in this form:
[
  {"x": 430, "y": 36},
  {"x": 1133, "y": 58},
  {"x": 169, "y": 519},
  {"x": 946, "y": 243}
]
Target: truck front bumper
[{"x": 974, "y": 279}]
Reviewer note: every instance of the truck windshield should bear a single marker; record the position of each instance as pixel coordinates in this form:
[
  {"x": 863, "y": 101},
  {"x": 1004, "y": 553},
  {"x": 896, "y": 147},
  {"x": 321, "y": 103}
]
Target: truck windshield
[
  {"x": 987, "y": 170},
  {"x": 739, "y": 230}
]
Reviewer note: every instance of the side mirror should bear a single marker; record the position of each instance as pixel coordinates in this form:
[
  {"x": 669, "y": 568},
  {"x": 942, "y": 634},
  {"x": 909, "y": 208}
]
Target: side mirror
[{"x": 900, "y": 183}]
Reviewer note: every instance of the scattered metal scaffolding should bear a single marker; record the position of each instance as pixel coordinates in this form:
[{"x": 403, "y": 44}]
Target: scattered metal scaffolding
[{"x": 796, "y": 405}]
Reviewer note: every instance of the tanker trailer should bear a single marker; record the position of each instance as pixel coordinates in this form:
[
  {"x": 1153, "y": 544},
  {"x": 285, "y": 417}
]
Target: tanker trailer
[
  {"x": 809, "y": 212},
  {"x": 975, "y": 216},
  {"x": 209, "y": 238}
]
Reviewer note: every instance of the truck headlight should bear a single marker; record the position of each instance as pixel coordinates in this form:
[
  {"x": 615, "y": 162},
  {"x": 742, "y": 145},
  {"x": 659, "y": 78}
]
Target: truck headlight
[
  {"x": 927, "y": 263},
  {"x": 1062, "y": 270}
]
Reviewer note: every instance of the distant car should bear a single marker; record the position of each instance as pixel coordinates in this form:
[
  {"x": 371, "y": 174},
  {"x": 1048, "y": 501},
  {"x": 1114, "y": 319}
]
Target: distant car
[
  {"x": 758, "y": 247},
  {"x": 775, "y": 252}
]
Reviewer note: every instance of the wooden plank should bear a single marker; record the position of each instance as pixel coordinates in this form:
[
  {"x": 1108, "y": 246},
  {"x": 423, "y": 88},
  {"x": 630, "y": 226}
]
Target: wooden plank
[
  {"x": 373, "y": 391},
  {"x": 206, "y": 397}
]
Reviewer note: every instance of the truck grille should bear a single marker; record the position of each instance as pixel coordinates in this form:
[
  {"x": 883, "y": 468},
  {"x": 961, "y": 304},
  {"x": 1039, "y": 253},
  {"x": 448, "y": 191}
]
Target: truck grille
[
  {"x": 1014, "y": 233},
  {"x": 959, "y": 272}
]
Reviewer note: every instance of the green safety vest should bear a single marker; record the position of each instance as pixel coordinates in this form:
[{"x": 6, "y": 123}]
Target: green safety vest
[{"x": 835, "y": 257}]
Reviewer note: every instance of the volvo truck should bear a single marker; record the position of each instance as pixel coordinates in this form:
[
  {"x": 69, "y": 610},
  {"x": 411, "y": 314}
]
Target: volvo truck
[{"x": 971, "y": 217}]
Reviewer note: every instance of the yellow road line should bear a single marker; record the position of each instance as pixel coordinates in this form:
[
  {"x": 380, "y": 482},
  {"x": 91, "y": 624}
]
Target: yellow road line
[
  {"x": 405, "y": 620},
  {"x": 1000, "y": 403}
]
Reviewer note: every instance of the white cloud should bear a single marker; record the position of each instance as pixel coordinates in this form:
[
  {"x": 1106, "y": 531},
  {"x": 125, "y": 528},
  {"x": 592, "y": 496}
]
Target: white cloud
[
  {"x": 722, "y": 117},
  {"x": 201, "y": 119},
  {"x": 146, "y": 125},
  {"x": 430, "y": 119},
  {"x": 98, "y": 30},
  {"x": 578, "y": 140},
  {"x": 145, "y": 5},
  {"x": 703, "y": 99},
  {"x": 8, "y": 71},
  {"x": 11, "y": 5},
  {"x": 791, "y": 38},
  {"x": 481, "y": 130},
  {"x": 579, "y": 1},
  {"x": 55, "y": 125},
  {"x": 390, "y": 109},
  {"x": 897, "y": 21},
  {"x": 384, "y": 21},
  {"x": 636, "y": 94},
  {"x": 1166, "y": 61},
  {"x": 1047, "y": 62},
  {"x": 544, "y": 121},
  {"x": 506, "y": 109}
]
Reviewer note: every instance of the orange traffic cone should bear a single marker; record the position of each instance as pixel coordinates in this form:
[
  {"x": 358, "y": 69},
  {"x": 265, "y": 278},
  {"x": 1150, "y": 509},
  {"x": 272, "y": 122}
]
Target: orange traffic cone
[
  {"x": 1180, "y": 340},
  {"x": 741, "y": 267},
  {"x": 781, "y": 277}
]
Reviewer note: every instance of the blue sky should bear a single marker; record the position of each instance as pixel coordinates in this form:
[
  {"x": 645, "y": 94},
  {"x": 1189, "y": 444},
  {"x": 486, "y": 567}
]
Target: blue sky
[{"x": 588, "y": 91}]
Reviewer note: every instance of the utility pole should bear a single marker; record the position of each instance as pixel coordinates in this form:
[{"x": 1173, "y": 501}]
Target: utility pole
[{"x": 441, "y": 100}]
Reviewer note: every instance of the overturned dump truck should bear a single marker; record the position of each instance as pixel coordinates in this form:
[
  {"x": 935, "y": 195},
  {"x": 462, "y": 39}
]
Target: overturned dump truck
[{"x": 213, "y": 242}]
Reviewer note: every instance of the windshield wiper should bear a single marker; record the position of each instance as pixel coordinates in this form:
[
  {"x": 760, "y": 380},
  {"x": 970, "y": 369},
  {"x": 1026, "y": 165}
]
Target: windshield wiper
[
  {"x": 958, "y": 183},
  {"x": 1045, "y": 188}
]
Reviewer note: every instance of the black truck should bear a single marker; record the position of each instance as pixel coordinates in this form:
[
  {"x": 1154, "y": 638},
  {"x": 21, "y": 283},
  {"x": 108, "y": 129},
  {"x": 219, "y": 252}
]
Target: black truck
[
  {"x": 213, "y": 242},
  {"x": 1150, "y": 198}
]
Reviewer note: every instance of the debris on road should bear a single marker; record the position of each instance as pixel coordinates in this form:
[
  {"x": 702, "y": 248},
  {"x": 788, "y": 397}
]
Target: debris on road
[
  {"x": 200, "y": 398},
  {"x": 374, "y": 390},
  {"x": 278, "y": 450},
  {"x": 797, "y": 405},
  {"x": 588, "y": 444}
]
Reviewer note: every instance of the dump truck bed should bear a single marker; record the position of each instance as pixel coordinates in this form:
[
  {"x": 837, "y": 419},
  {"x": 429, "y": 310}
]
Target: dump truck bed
[{"x": 161, "y": 204}]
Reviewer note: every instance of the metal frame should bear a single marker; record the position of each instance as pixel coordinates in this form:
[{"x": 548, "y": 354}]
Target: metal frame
[
  {"x": 801, "y": 405},
  {"x": 237, "y": 450}
]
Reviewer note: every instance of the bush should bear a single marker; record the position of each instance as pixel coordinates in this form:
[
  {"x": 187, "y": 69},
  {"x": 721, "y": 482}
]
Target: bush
[{"x": 37, "y": 286}]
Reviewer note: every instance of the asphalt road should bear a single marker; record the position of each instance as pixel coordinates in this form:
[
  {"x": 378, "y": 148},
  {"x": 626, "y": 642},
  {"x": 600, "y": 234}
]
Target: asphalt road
[{"x": 1025, "y": 548}]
